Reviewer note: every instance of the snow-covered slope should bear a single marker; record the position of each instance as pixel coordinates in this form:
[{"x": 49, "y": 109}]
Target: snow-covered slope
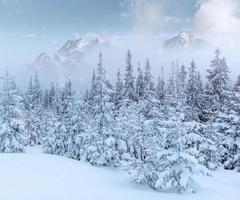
[
  {"x": 184, "y": 41},
  {"x": 34, "y": 176}
]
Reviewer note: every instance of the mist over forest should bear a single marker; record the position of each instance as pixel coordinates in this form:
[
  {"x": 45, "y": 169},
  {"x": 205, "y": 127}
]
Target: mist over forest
[{"x": 214, "y": 23}]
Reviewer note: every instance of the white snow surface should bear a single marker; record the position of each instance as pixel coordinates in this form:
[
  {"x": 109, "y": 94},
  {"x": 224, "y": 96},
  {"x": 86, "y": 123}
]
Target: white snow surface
[{"x": 35, "y": 176}]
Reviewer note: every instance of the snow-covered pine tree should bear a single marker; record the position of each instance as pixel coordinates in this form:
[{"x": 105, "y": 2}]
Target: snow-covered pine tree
[
  {"x": 182, "y": 81},
  {"x": 46, "y": 99},
  {"x": 167, "y": 162},
  {"x": 101, "y": 142},
  {"x": 218, "y": 85},
  {"x": 12, "y": 138},
  {"x": 37, "y": 91},
  {"x": 160, "y": 88},
  {"x": 226, "y": 126},
  {"x": 148, "y": 81},
  {"x": 77, "y": 133},
  {"x": 235, "y": 133},
  {"x": 34, "y": 111},
  {"x": 191, "y": 89},
  {"x": 129, "y": 93},
  {"x": 193, "y": 94},
  {"x": 236, "y": 87},
  {"x": 90, "y": 98},
  {"x": 148, "y": 103},
  {"x": 160, "y": 94},
  {"x": 30, "y": 128},
  {"x": 221, "y": 116},
  {"x": 118, "y": 95},
  {"x": 52, "y": 96},
  {"x": 171, "y": 87},
  {"x": 140, "y": 84},
  {"x": 28, "y": 100},
  {"x": 129, "y": 122},
  {"x": 66, "y": 104},
  {"x": 58, "y": 132},
  {"x": 130, "y": 133},
  {"x": 55, "y": 141}
]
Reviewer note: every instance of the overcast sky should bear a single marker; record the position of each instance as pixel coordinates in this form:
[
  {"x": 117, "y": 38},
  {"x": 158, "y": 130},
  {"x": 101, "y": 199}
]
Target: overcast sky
[
  {"x": 28, "y": 27},
  {"x": 70, "y": 16}
]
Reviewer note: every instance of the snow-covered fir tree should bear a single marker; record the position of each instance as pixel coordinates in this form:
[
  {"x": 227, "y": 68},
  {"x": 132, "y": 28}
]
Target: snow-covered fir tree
[
  {"x": 58, "y": 130},
  {"x": 171, "y": 87},
  {"x": 160, "y": 91},
  {"x": 100, "y": 145},
  {"x": 182, "y": 81},
  {"x": 12, "y": 135},
  {"x": 34, "y": 111},
  {"x": 118, "y": 95},
  {"x": 218, "y": 85},
  {"x": 193, "y": 93},
  {"x": 129, "y": 92},
  {"x": 140, "y": 84},
  {"x": 225, "y": 125}
]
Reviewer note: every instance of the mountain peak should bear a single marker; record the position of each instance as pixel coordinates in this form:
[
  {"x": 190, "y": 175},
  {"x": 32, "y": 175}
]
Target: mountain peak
[
  {"x": 43, "y": 60},
  {"x": 184, "y": 41},
  {"x": 81, "y": 45},
  {"x": 72, "y": 51}
]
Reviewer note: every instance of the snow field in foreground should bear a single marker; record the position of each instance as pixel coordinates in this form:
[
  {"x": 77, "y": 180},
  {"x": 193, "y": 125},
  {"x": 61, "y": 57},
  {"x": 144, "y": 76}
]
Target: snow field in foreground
[{"x": 34, "y": 176}]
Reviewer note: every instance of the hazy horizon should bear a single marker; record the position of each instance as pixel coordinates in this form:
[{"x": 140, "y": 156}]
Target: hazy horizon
[{"x": 29, "y": 28}]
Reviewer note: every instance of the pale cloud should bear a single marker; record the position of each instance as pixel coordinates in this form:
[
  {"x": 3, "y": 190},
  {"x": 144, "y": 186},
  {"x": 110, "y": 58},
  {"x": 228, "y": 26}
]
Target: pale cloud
[
  {"x": 173, "y": 19},
  {"x": 148, "y": 16},
  {"x": 217, "y": 18},
  {"x": 151, "y": 17},
  {"x": 30, "y": 35},
  {"x": 76, "y": 35},
  {"x": 44, "y": 28},
  {"x": 5, "y": 2},
  {"x": 124, "y": 14},
  {"x": 12, "y": 34}
]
